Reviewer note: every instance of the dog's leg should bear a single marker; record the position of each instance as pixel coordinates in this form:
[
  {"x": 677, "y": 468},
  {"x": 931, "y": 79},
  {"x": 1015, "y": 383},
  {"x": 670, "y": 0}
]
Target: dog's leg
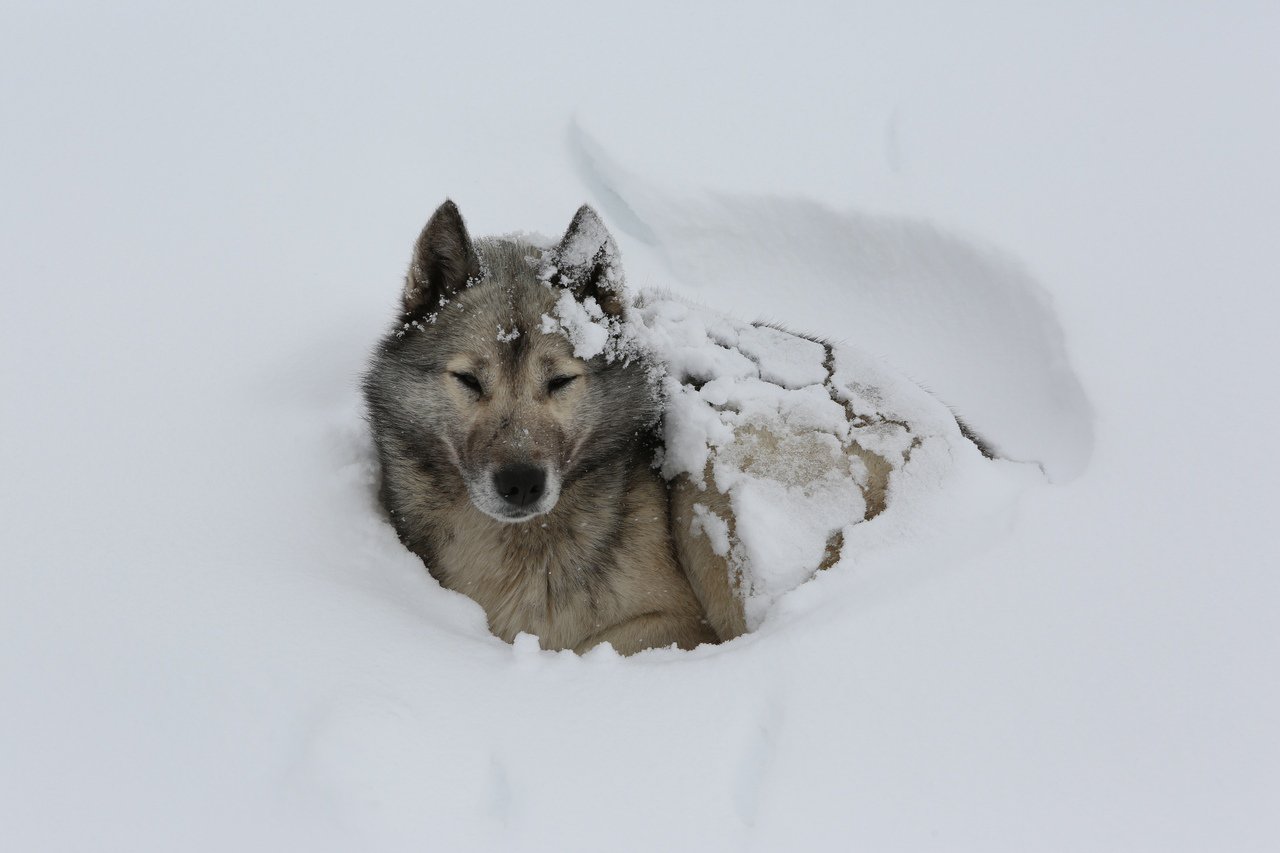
[
  {"x": 708, "y": 572},
  {"x": 651, "y": 631}
]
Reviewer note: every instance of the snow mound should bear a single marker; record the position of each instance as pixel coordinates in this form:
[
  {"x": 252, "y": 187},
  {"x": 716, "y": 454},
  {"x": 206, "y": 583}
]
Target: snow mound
[
  {"x": 777, "y": 445},
  {"x": 961, "y": 318}
]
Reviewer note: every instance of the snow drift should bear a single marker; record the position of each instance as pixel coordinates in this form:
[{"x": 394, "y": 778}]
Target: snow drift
[
  {"x": 966, "y": 322},
  {"x": 777, "y": 445}
]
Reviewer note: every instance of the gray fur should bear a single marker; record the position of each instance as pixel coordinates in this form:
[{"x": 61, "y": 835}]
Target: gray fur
[{"x": 591, "y": 560}]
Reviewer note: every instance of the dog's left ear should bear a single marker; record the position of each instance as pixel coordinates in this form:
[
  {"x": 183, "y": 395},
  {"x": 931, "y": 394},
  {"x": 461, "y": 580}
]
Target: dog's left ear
[
  {"x": 443, "y": 262},
  {"x": 586, "y": 262}
]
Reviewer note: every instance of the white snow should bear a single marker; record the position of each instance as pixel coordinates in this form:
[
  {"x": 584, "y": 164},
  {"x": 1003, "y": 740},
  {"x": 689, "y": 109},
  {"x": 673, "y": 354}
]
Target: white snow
[
  {"x": 774, "y": 420},
  {"x": 582, "y": 322},
  {"x": 716, "y": 529},
  {"x": 1058, "y": 220}
]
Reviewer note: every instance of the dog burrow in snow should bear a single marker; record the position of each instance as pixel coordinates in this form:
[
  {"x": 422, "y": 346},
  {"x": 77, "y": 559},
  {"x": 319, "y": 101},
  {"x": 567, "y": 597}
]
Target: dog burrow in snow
[{"x": 592, "y": 467}]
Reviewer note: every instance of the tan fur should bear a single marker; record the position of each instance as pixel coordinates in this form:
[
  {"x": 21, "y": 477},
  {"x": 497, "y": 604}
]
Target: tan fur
[
  {"x": 614, "y": 527},
  {"x": 469, "y": 383},
  {"x": 463, "y": 388},
  {"x": 714, "y": 581},
  {"x": 517, "y": 572}
]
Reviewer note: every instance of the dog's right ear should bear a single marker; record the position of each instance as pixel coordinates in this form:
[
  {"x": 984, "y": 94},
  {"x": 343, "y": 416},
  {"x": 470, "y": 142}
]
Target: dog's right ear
[
  {"x": 586, "y": 262},
  {"x": 443, "y": 262}
]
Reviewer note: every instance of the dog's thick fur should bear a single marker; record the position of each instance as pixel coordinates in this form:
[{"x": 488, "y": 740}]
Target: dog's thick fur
[{"x": 467, "y": 388}]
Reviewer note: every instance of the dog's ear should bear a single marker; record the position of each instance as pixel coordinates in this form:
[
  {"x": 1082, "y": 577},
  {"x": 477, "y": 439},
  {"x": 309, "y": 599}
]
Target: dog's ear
[
  {"x": 443, "y": 262},
  {"x": 586, "y": 262}
]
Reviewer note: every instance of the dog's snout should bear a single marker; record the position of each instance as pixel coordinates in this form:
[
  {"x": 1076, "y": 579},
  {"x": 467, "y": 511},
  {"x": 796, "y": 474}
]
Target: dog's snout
[{"x": 520, "y": 485}]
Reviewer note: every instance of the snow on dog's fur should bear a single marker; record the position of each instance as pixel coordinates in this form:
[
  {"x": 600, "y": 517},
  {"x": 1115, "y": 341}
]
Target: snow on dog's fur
[
  {"x": 592, "y": 468},
  {"x": 520, "y": 472}
]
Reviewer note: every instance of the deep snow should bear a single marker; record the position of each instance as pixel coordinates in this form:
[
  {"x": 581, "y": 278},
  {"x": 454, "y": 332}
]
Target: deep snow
[{"x": 210, "y": 639}]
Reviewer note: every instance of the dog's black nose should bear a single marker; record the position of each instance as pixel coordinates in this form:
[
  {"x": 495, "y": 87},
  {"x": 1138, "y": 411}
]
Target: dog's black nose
[{"x": 520, "y": 485}]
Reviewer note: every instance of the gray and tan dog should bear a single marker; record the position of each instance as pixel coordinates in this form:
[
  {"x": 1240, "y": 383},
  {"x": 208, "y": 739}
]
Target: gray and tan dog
[{"x": 519, "y": 473}]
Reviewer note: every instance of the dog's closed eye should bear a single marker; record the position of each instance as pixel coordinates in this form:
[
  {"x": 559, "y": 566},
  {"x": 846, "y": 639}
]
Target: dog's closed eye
[
  {"x": 558, "y": 382},
  {"x": 469, "y": 380}
]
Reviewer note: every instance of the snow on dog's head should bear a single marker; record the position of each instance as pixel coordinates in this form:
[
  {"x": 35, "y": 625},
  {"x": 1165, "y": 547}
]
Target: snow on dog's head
[
  {"x": 479, "y": 377},
  {"x": 525, "y": 367}
]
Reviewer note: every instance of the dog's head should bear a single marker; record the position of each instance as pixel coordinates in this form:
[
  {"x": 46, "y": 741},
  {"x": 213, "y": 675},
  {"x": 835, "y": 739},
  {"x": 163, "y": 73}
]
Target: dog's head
[{"x": 479, "y": 378}]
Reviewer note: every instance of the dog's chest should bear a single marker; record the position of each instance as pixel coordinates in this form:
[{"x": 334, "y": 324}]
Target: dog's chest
[{"x": 548, "y": 581}]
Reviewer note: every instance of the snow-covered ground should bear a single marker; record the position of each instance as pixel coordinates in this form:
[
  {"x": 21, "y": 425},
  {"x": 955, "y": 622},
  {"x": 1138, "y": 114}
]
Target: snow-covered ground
[{"x": 1060, "y": 219}]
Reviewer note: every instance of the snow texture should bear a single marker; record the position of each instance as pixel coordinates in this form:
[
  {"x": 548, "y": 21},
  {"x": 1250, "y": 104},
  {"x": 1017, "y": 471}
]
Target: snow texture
[
  {"x": 923, "y": 297},
  {"x": 582, "y": 322},
  {"x": 779, "y": 423},
  {"x": 1058, "y": 220}
]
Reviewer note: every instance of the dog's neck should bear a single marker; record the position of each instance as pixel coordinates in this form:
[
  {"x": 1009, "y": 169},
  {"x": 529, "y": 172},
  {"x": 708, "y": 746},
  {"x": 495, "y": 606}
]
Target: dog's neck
[{"x": 526, "y": 573}]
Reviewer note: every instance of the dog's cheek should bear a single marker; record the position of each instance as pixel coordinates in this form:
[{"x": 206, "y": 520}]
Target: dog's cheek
[
  {"x": 557, "y": 444},
  {"x": 566, "y": 425}
]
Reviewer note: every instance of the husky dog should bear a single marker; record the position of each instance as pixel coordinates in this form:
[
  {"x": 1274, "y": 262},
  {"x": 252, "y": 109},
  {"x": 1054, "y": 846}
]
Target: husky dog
[{"x": 521, "y": 474}]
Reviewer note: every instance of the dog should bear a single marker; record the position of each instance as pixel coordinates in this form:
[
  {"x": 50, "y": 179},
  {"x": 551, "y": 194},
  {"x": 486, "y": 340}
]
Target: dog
[{"x": 521, "y": 473}]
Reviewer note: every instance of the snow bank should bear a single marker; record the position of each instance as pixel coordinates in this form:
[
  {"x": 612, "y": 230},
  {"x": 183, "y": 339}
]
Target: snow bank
[
  {"x": 959, "y": 317},
  {"x": 778, "y": 444}
]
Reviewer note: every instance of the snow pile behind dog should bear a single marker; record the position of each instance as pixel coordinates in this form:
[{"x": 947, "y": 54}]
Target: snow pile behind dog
[{"x": 809, "y": 441}]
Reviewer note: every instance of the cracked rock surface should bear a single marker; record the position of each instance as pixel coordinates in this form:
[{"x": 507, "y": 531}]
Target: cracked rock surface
[{"x": 777, "y": 446}]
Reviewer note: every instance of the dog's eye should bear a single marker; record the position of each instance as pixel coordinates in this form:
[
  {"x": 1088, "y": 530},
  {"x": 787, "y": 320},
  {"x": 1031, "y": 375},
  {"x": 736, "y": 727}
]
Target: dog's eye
[
  {"x": 469, "y": 380},
  {"x": 559, "y": 382}
]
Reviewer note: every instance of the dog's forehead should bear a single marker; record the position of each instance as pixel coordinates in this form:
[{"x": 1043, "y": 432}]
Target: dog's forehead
[{"x": 496, "y": 319}]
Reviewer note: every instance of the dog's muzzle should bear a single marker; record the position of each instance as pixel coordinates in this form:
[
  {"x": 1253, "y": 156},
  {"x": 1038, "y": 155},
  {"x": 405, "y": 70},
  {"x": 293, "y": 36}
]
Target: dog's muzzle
[
  {"x": 521, "y": 486},
  {"x": 515, "y": 492}
]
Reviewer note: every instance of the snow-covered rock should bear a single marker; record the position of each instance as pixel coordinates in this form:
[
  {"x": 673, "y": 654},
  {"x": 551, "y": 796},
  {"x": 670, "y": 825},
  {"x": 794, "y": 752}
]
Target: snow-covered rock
[{"x": 776, "y": 444}]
